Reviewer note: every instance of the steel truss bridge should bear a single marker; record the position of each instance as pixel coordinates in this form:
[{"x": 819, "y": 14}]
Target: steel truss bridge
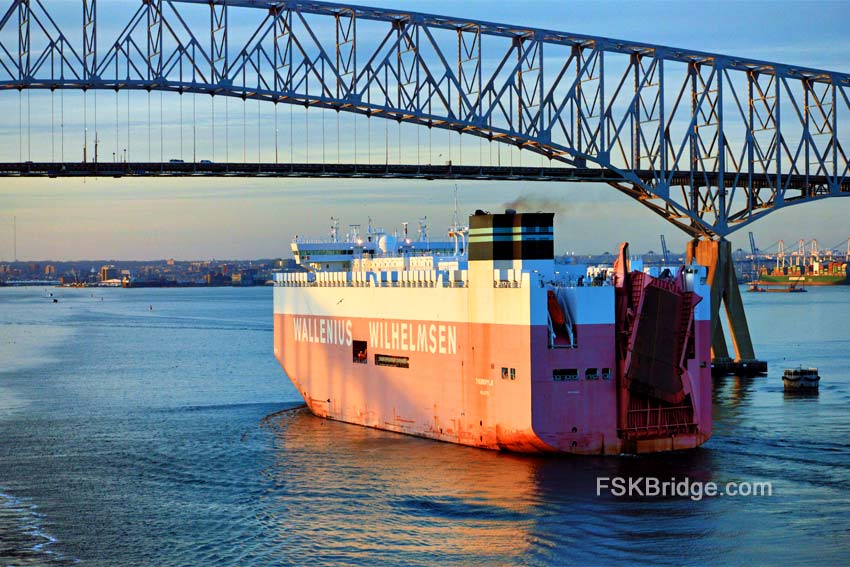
[{"x": 710, "y": 142}]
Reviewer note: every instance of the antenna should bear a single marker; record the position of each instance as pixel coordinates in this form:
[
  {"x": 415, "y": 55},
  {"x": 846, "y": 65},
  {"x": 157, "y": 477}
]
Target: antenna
[
  {"x": 15, "y": 238},
  {"x": 335, "y": 229},
  {"x": 455, "y": 217}
]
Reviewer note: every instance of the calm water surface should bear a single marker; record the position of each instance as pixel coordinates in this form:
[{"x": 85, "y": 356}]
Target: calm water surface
[{"x": 149, "y": 427}]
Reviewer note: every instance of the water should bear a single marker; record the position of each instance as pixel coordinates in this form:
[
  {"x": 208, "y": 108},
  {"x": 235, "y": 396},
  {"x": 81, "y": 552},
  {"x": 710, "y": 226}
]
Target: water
[{"x": 149, "y": 427}]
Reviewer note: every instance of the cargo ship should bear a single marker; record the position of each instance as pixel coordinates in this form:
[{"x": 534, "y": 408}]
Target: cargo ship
[
  {"x": 813, "y": 273},
  {"x": 483, "y": 340}
]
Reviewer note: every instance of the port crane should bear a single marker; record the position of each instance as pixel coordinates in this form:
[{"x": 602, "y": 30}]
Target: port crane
[
  {"x": 755, "y": 265},
  {"x": 753, "y": 249},
  {"x": 780, "y": 254},
  {"x": 665, "y": 253}
]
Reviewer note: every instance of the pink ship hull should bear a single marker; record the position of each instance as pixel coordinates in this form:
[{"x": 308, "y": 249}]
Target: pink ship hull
[{"x": 456, "y": 391}]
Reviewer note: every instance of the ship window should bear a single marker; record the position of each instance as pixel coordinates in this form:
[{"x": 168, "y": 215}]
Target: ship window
[
  {"x": 359, "y": 352},
  {"x": 390, "y": 360},
  {"x": 591, "y": 374},
  {"x": 606, "y": 373},
  {"x": 565, "y": 374},
  {"x": 504, "y": 373},
  {"x": 513, "y": 373}
]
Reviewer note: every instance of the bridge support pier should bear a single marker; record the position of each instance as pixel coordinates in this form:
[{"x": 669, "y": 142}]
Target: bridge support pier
[{"x": 717, "y": 256}]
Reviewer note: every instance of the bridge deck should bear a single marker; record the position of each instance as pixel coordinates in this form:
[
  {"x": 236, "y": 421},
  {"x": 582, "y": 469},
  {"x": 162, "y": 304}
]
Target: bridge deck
[{"x": 400, "y": 171}]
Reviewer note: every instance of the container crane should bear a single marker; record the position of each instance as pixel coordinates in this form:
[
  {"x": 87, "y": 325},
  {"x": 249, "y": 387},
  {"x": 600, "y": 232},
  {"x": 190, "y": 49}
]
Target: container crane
[
  {"x": 665, "y": 253},
  {"x": 753, "y": 249},
  {"x": 755, "y": 265}
]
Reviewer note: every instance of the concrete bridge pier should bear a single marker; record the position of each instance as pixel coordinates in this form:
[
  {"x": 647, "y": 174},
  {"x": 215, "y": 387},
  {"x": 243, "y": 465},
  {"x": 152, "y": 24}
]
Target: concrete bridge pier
[{"x": 717, "y": 256}]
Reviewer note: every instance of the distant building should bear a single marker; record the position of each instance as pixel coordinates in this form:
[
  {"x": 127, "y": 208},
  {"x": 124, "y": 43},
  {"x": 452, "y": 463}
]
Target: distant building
[
  {"x": 50, "y": 270},
  {"x": 170, "y": 262},
  {"x": 108, "y": 273},
  {"x": 217, "y": 278},
  {"x": 242, "y": 279},
  {"x": 286, "y": 265},
  {"x": 246, "y": 276}
]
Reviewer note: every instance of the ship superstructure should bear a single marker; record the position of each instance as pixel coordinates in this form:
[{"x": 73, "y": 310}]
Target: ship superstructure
[
  {"x": 377, "y": 249},
  {"x": 483, "y": 340}
]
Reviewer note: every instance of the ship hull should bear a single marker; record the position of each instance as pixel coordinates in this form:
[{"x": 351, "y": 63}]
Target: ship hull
[
  {"x": 482, "y": 383},
  {"x": 805, "y": 279},
  {"x": 502, "y": 349}
]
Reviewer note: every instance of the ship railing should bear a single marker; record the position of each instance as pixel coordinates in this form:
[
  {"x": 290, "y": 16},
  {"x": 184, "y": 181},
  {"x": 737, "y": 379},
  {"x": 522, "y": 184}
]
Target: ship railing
[
  {"x": 508, "y": 278},
  {"x": 511, "y": 278},
  {"x": 559, "y": 282},
  {"x": 293, "y": 279},
  {"x": 392, "y": 278}
]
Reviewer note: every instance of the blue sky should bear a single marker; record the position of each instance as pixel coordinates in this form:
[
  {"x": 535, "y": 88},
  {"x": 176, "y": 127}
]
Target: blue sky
[{"x": 141, "y": 219}]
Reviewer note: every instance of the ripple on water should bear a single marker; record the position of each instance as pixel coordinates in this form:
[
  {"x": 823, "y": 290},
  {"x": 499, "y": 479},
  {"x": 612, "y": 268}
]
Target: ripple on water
[{"x": 23, "y": 539}]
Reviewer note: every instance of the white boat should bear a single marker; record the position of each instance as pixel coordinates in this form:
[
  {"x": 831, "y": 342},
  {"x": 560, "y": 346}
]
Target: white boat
[{"x": 801, "y": 379}]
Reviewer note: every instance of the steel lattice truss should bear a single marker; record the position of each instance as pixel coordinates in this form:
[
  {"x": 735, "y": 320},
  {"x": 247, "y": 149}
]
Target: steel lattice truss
[{"x": 710, "y": 142}]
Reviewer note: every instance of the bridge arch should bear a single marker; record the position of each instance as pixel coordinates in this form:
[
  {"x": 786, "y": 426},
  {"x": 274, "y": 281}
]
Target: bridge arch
[{"x": 697, "y": 137}]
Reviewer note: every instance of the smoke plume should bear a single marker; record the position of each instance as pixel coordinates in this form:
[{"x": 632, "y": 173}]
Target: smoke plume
[{"x": 535, "y": 203}]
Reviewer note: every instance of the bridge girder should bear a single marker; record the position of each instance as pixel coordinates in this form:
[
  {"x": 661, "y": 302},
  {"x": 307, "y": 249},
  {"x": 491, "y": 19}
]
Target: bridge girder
[{"x": 719, "y": 141}]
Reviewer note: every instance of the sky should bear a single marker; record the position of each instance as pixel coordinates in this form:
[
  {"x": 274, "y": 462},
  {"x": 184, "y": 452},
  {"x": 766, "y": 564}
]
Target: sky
[{"x": 152, "y": 218}]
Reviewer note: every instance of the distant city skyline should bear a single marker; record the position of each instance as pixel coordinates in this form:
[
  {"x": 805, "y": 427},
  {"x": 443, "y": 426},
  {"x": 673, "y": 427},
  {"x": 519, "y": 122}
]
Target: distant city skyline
[{"x": 140, "y": 219}]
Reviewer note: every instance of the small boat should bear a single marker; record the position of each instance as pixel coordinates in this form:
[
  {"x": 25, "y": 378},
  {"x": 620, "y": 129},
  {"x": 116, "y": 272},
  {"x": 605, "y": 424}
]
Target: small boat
[
  {"x": 801, "y": 379},
  {"x": 775, "y": 288}
]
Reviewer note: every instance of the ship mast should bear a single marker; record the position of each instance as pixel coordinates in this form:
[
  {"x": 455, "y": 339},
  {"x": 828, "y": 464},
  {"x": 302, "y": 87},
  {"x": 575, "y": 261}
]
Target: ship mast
[
  {"x": 335, "y": 229},
  {"x": 455, "y": 217},
  {"x": 423, "y": 229}
]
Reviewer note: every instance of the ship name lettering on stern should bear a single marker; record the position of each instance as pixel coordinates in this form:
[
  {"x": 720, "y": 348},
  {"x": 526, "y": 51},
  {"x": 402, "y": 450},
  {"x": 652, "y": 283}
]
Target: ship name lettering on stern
[
  {"x": 321, "y": 330},
  {"x": 414, "y": 337}
]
